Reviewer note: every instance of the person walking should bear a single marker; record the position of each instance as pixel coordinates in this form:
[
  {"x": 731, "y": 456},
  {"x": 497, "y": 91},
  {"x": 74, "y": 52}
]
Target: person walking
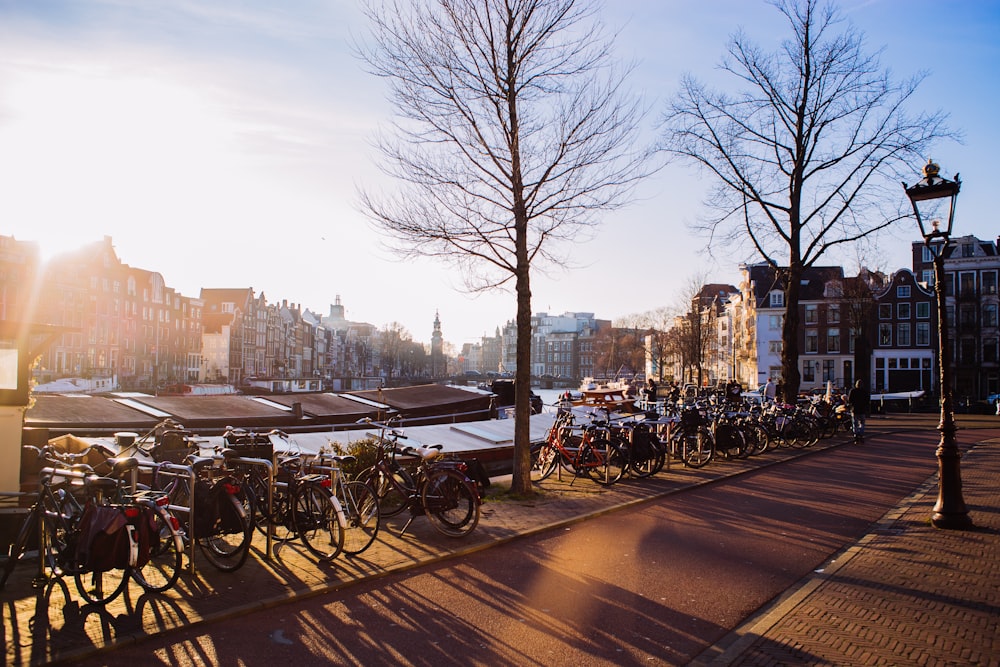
[
  {"x": 770, "y": 390},
  {"x": 859, "y": 403}
]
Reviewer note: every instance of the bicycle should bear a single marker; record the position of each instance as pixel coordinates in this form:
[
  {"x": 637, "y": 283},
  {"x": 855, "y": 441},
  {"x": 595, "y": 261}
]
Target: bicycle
[
  {"x": 438, "y": 488},
  {"x": 136, "y": 538},
  {"x": 209, "y": 503},
  {"x": 295, "y": 503},
  {"x": 359, "y": 502},
  {"x": 583, "y": 451}
]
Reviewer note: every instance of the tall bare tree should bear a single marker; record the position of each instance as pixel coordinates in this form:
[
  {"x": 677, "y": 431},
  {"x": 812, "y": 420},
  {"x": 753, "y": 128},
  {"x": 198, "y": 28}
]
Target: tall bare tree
[
  {"x": 513, "y": 133},
  {"x": 806, "y": 152}
]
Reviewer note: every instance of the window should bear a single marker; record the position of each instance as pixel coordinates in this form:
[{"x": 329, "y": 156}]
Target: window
[
  {"x": 923, "y": 310},
  {"x": 833, "y": 314},
  {"x": 967, "y": 284},
  {"x": 903, "y": 335},
  {"x": 967, "y": 315},
  {"x": 809, "y": 371},
  {"x": 923, "y": 333},
  {"x": 828, "y": 373},
  {"x": 990, "y": 315},
  {"x": 833, "y": 340},
  {"x": 967, "y": 348},
  {"x": 926, "y": 255},
  {"x": 851, "y": 336},
  {"x": 812, "y": 341},
  {"x": 903, "y": 292},
  {"x": 949, "y": 284},
  {"x": 777, "y": 299},
  {"x": 812, "y": 314},
  {"x": 885, "y": 311},
  {"x": 989, "y": 279},
  {"x": 902, "y": 311},
  {"x": 885, "y": 335},
  {"x": 968, "y": 250},
  {"x": 774, "y": 322},
  {"x": 927, "y": 277},
  {"x": 990, "y": 349},
  {"x": 774, "y": 347}
]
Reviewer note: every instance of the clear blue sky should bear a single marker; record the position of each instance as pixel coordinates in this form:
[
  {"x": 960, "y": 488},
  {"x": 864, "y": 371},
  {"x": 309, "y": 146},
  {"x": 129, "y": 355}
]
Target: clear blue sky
[{"x": 222, "y": 142}]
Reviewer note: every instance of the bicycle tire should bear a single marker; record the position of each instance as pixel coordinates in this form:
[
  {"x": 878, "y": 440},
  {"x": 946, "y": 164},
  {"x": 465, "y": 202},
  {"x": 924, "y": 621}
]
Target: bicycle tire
[
  {"x": 279, "y": 515},
  {"x": 315, "y": 510},
  {"x": 17, "y": 550},
  {"x": 603, "y": 461},
  {"x": 391, "y": 500},
  {"x": 699, "y": 448},
  {"x": 166, "y": 550},
  {"x": 227, "y": 551},
  {"x": 450, "y": 502},
  {"x": 544, "y": 460},
  {"x": 756, "y": 437},
  {"x": 361, "y": 510}
]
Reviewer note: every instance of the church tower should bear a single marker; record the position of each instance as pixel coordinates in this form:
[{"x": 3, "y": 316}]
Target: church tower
[{"x": 438, "y": 367}]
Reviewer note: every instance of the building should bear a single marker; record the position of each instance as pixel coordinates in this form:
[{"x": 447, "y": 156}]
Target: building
[{"x": 971, "y": 266}]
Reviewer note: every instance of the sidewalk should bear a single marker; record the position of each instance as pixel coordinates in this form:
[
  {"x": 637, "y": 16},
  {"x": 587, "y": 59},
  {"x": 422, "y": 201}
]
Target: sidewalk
[{"x": 905, "y": 594}]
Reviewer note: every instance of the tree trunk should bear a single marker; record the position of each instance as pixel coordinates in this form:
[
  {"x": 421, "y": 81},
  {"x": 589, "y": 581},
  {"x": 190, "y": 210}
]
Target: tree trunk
[{"x": 790, "y": 376}]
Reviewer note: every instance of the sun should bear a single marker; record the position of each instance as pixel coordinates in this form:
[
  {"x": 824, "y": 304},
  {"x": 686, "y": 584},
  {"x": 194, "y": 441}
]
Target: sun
[{"x": 88, "y": 152}]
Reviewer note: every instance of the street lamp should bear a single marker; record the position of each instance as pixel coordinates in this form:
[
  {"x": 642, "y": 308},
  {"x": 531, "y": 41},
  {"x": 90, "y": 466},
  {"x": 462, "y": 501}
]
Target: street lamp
[{"x": 949, "y": 511}]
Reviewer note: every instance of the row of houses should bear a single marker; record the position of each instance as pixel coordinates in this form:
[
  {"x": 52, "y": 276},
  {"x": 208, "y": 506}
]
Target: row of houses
[
  {"x": 125, "y": 324},
  {"x": 124, "y": 327},
  {"x": 875, "y": 326}
]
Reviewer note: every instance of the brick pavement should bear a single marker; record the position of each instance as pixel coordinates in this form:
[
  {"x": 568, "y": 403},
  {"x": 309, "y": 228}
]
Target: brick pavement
[
  {"x": 866, "y": 615},
  {"x": 905, "y": 594}
]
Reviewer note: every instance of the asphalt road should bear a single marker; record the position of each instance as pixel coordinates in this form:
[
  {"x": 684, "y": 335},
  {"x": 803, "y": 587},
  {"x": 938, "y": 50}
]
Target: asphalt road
[{"x": 651, "y": 585}]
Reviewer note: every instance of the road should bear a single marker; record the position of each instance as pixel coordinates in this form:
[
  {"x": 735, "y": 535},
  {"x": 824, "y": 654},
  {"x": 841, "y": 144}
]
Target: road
[{"x": 650, "y": 585}]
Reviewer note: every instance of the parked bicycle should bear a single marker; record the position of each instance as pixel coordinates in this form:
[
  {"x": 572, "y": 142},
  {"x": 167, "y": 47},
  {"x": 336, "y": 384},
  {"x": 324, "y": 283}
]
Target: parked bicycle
[
  {"x": 93, "y": 529},
  {"x": 438, "y": 488}
]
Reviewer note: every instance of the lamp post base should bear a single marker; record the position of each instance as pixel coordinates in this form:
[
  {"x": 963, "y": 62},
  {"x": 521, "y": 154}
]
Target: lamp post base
[{"x": 949, "y": 511}]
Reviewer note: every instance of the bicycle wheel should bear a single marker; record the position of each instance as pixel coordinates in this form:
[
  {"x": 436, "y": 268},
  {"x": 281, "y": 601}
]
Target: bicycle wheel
[
  {"x": 544, "y": 459},
  {"x": 603, "y": 461},
  {"x": 360, "y": 505},
  {"x": 756, "y": 438},
  {"x": 28, "y": 528},
  {"x": 450, "y": 502},
  {"x": 102, "y": 587},
  {"x": 228, "y": 546},
  {"x": 166, "y": 549},
  {"x": 698, "y": 446},
  {"x": 316, "y": 521},
  {"x": 393, "y": 494}
]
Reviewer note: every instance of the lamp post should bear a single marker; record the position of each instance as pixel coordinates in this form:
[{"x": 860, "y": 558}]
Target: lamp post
[{"x": 949, "y": 511}]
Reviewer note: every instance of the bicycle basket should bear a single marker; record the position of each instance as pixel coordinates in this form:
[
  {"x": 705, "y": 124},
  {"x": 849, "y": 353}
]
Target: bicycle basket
[
  {"x": 252, "y": 445},
  {"x": 173, "y": 447},
  {"x": 692, "y": 417}
]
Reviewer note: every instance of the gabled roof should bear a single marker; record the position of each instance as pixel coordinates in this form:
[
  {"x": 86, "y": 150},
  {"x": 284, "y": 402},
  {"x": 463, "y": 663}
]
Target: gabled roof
[{"x": 766, "y": 279}]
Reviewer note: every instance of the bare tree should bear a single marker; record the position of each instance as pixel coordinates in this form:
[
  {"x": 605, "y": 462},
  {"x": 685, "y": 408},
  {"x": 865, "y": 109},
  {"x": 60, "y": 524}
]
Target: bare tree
[
  {"x": 513, "y": 133},
  {"x": 807, "y": 155},
  {"x": 392, "y": 342}
]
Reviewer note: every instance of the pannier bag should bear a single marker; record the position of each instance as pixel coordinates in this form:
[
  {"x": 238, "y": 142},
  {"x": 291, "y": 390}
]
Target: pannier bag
[
  {"x": 114, "y": 537},
  {"x": 214, "y": 512}
]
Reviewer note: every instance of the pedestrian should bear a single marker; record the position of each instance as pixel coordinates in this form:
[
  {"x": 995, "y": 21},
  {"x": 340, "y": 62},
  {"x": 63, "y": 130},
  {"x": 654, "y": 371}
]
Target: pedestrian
[
  {"x": 770, "y": 390},
  {"x": 859, "y": 403},
  {"x": 651, "y": 390}
]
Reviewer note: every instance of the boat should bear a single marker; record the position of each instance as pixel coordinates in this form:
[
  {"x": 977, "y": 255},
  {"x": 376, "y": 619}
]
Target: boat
[{"x": 612, "y": 395}]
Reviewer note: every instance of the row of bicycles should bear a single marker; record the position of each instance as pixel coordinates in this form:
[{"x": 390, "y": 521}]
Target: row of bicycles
[
  {"x": 605, "y": 449},
  {"x": 134, "y": 515}
]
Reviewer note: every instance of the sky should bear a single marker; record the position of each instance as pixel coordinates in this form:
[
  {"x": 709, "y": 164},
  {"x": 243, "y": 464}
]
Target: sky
[{"x": 222, "y": 143}]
